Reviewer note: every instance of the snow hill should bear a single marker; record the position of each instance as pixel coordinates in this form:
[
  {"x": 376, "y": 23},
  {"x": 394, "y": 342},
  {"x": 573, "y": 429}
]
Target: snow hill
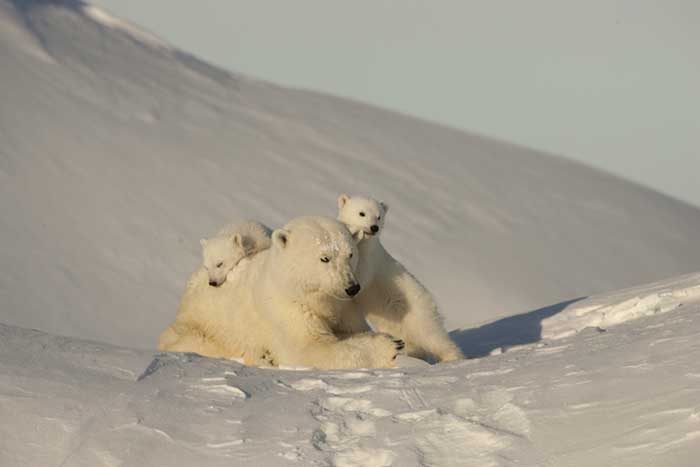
[{"x": 118, "y": 152}]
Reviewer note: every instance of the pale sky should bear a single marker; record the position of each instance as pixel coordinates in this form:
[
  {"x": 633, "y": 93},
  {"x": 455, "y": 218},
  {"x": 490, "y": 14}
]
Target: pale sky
[{"x": 614, "y": 84}]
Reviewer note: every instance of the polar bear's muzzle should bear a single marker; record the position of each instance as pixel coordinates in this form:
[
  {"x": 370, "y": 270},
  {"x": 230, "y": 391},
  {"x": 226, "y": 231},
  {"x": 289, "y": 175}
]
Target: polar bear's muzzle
[
  {"x": 372, "y": 230},
  {"x": 353, "y": 290}
]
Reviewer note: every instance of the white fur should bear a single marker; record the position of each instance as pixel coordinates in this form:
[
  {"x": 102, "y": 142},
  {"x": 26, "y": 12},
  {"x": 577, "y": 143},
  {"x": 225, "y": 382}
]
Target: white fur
[
  {"x": 286, "y": 303},
  {"x": 391, "y": 298},
  {"x": 221, "y": 253}
]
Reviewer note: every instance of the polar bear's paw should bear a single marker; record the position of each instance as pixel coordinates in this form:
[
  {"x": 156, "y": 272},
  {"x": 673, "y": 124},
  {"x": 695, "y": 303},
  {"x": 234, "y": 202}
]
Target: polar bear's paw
[{"x": 384, "y": 349}]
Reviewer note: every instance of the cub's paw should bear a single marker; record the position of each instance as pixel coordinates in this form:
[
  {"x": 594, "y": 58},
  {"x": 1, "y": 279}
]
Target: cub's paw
[{"x": 451, "y": 356}]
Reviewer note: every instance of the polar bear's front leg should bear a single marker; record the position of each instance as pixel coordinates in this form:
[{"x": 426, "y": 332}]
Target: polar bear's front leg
[
  {"x": 405, "y": 309},
  {"x": 367, "y": 350},
  {"x": 319, "y": 347},
  {"x": 422, "y": 324}
]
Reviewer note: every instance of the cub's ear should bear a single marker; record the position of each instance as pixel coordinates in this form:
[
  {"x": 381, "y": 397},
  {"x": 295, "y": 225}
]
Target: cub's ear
[
  {"x": 280, "y": 238},
  {"x": 203, "y": 242},
  {"x": 243, "y": 242},
  {"x": 238, "y": 240},
  {"x": 384, "y": 206},
  {"x": 342, "y": 199}
]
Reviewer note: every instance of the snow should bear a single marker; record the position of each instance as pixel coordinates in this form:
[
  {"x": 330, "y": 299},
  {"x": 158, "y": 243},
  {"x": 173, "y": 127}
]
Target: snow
[
  {"x": 110, "y": 21},
  {"x": 620, "y": 306},
  {"x": 117, "y": 153},
  {"x": 628, "y": 396}
]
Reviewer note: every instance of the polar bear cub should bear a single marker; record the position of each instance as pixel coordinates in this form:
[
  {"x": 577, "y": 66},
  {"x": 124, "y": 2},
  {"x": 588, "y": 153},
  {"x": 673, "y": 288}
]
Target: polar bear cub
[
  {"x": 392, "y": 300},
  {"x": 221, "y": 253}
]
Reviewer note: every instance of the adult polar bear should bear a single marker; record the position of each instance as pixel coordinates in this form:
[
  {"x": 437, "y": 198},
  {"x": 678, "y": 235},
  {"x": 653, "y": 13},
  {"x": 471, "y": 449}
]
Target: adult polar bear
[
  {"x": 391, "y": 298},
  {"x": 292, "y": 301}
]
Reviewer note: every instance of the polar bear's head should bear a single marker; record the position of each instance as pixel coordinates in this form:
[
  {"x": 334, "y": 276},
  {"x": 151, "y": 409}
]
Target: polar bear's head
[
  {"x": 317, "y": 256},
  {"x": 221, "y": 254},
  {"x": 364, "y": 215}
]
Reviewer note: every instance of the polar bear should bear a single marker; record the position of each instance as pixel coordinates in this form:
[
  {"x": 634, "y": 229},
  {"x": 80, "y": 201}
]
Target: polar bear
[
  {"x": 392, "y": 299},
  {"x": 292, "y": 301},
  {"x": 221, "y": 253}
]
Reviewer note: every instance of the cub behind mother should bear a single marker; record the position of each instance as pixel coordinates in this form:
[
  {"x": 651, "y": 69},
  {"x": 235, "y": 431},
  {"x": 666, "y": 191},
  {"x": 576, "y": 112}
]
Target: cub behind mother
[{"x": 292, "y": 301}]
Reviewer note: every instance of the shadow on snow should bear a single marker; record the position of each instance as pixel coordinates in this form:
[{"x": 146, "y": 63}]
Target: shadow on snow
[{"x": 515, "y": 330}]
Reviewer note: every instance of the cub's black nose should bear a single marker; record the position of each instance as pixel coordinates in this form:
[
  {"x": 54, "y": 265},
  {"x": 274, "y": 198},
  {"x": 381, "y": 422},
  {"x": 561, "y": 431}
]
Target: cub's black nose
[
  {"x": 352, "y": 290},
  {"x": 374, "y": 228},
  {"x": 213, "y": 283}
]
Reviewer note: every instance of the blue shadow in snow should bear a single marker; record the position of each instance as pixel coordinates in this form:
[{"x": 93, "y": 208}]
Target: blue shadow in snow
[{"x": 515, "y": 330}]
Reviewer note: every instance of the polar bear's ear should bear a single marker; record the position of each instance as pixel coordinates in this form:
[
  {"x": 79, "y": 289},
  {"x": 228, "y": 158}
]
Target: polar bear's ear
[
  {"x": 238, "y": 240},
  {"x": 342, "y": 199},
  {"x": 384, "y": 206},
  {"x": 280, "y": 237},
  {"x": 243, "y": 242},
  {"x": 203, "y": 242}
]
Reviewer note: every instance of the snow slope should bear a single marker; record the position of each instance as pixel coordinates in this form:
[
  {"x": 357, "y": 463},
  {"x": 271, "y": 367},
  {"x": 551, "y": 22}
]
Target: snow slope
[
  {"x": 628, "y": 395},
  {"x": 117, "y": 152}
]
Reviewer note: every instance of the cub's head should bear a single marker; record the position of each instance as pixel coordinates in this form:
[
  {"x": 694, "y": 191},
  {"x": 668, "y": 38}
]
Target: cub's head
[
  {"x": 316, "y": 255},
  {"x": 221, "y": 254},
  {"x": 364, "y": 215}
]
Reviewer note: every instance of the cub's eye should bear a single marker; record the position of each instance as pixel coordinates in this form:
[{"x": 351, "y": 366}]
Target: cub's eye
[
  {"x": 362, "y": 214},
  {"x": 325, "y": 259},
  {"x": 351, "y": 255},
  {"x": 379, "y": 217},
  {"x": 219, "y": 265}
]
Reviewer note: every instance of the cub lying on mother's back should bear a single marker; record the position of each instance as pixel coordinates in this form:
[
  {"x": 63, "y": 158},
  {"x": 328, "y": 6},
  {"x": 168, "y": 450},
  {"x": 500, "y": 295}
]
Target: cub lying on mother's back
[
  {"x": 221, "y": 253},
  {"x": 391, "y": 298}
]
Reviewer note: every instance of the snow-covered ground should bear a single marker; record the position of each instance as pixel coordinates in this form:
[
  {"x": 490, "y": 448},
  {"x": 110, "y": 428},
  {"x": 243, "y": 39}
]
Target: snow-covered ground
[
  {"x": 117, "y": 152},
  {"x": 625, "y": 395}
]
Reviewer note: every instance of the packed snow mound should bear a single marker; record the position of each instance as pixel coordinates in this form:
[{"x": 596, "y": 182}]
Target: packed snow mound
[
  {"x": 629, "y": 396},
  {"x": 610, "y": 309},
  {"x": 116, "y": 156}
]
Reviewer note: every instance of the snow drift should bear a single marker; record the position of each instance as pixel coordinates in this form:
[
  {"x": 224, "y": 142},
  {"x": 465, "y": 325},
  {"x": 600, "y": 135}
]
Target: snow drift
[{"x": 625, "y": 396}]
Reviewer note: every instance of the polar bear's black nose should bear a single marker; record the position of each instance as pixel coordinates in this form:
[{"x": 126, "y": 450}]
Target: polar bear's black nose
[
  {"x": 374, "y": 228},
  {"x": 352, "y": 290},
  {"x": 213, "y": 283}
]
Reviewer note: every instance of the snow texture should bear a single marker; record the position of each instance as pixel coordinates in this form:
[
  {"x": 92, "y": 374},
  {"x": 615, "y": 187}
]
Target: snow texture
[
  {"x": 628, "y": 396},
  {"x": 117, "y": 152}
]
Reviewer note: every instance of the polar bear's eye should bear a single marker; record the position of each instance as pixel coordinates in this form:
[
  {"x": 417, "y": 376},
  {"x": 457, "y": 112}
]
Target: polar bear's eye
[
  {"x": 379, "y": 217},
  {"x": 219, "y": 265},
  {"x": 350, "y": 255},
  {"x": 325, "y": 259},
  {"x": 362, "y": 214}
]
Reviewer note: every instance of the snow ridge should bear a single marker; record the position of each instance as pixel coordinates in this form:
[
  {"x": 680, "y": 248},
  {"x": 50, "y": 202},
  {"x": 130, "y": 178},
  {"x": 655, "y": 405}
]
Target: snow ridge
[
  {"x": 110, "y": 21},
  {"x": 611, "y": 309}
]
